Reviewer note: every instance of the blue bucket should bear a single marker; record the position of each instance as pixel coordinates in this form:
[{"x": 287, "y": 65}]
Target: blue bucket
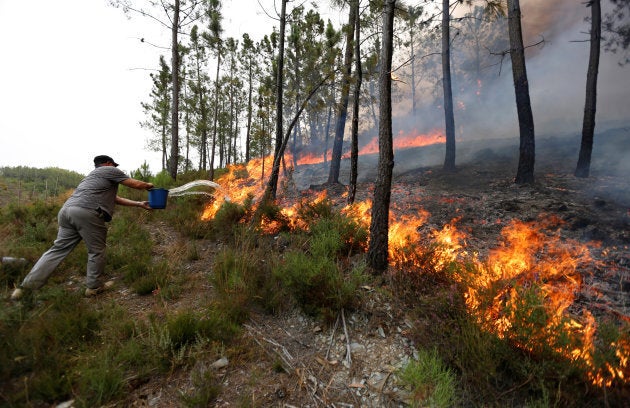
[{"x": 157, "y": 198}]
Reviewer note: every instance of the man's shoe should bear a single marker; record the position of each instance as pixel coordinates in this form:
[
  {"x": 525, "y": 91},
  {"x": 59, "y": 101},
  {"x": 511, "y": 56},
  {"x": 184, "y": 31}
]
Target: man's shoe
[
  {"x": 17, "y": 294},
  {"x": 93, "y": 292}
]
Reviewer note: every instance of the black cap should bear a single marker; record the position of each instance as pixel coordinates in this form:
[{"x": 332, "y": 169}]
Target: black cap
[{"x": 102, "y": 159}]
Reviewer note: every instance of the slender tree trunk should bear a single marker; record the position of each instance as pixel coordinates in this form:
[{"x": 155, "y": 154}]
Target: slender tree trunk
[
  {"x": 175, "y": 107},
  {"x": 413, "y": 73},
  {"x": 354, "y": 153},
  {"x": 449, "y": 117},
  {"x": 379, "y": 226},
  {"x": 342, "y": 108},
  {"x": 216, "y": 113},
  {"x": 327, "y": 133},
  {"x": 249, "y": 112},
  {"x": 525, "y": 172},
  {"x": 273, "y": 179},
  {"x": 588, "y": 125}
]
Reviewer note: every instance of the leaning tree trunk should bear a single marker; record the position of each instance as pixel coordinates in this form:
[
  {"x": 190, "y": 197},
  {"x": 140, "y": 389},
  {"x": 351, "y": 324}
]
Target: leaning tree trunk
[
  {"x": 342, "y": 108},
  {"x": 449, "y": 116},
  {"x": 354, "y": 150},
  {"x": 379, "y": 226},
  {"x": 588, "y": 125},
  {"x": 172, "y": 166},
  {"x": 525, "y": 172}
]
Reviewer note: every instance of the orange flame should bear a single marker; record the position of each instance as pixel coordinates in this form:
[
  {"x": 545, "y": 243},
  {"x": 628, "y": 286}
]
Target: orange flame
[
  {"x": 401, "y": 141},
  {"x": 523, "y": 291}
]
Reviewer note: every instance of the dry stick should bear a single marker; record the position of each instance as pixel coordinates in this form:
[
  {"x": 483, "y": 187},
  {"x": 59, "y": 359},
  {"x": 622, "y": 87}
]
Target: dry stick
[
  {"x": 383, "y": 385},
  {"x": 313, "y": 389},
  {"x": 332, "y": 336},
  {"x": 292, "y": 337},
  {"x": 284, "y": 350},
  {"x": 345, "y": 330}
]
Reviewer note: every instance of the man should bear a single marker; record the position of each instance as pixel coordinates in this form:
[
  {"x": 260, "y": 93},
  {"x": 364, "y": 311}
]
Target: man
[{"x": 83, "y": 217}]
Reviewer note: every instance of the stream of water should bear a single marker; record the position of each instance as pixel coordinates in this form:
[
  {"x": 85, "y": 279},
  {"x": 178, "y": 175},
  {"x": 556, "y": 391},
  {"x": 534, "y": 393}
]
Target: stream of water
[{"x": 182, "y": 190}]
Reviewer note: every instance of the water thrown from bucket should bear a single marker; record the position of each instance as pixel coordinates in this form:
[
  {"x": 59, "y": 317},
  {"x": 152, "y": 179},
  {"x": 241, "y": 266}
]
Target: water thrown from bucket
[{"x": 182, "y": 190}]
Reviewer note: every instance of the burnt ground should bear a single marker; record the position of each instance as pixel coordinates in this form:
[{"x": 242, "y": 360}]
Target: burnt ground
[{"x": 481, "y": 195}]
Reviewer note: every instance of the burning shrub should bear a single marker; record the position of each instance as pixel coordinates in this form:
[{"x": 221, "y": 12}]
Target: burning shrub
[{"x": 228, "y": 215}]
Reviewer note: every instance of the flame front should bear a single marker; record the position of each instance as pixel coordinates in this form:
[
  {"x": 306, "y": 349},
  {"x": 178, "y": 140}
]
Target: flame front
[
  {"x": 404, "y": 140},
  {"x": 524, "y": 290}
]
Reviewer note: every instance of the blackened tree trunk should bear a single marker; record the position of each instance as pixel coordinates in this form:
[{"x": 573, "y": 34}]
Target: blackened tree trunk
[
  {"x": 249, "y": 50},
  {"x": 379, "y": 225},
  {"x": 588, "y": 125},
  {"x": 354, "y": 150},
  {"x": 173, "y": 163},
  {"x": 342, "y": 107},
  {"x": 449, "y": 117},
  {"x": 525, "y": 172},
  {"x": 272, "y": 186}
]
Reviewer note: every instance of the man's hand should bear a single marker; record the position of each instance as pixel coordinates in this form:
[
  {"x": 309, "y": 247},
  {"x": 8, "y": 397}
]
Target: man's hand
[{"x": 145, "y": 205}]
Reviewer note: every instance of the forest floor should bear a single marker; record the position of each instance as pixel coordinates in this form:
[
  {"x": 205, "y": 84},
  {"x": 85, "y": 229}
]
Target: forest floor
[{"x": 482, "y": 197}]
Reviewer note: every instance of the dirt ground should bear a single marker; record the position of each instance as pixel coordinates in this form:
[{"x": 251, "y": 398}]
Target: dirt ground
[{"x": 353, "y": 363}]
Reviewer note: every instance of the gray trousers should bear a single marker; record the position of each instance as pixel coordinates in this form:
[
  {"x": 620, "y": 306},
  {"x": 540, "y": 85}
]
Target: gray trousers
[{"x": 75, "y": 223}]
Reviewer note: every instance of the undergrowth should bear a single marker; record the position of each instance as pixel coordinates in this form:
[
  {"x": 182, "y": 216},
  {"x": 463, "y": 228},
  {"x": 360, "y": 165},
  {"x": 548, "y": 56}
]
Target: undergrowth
[{"x": 55, "y": 345}]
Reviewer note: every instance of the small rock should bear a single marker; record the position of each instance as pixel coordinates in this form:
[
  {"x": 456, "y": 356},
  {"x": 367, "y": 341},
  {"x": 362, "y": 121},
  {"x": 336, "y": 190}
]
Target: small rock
[
  {"x": 356, "y": 347},
  {"x": 381, "y": 332},
  {"x": 220, "y": 363},
  {"x": 67, "y": 404}
]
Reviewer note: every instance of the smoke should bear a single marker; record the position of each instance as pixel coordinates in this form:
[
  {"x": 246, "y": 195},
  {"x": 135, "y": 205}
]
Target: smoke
[
  {"x": 485, "y": 115},
  {"x": 550, "y": 19},
  {"x": 556, "y": 72}
]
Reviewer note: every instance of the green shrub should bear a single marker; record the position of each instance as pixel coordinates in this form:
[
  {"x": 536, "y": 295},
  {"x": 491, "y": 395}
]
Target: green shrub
[
  {"x": 100, "y": 380},
  {"x": 242, "y": 274},
  {"x": 431, "y": 383},
  {"x": 206, "y": 388},
  {"x": 38, "y": 340},
  {"x": 162, "y": 179},
  {"x": 318, "y": 284}
]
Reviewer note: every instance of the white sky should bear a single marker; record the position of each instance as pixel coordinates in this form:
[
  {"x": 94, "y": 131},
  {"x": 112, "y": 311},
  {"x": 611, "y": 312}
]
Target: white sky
[{"x": 69, "y": 84}]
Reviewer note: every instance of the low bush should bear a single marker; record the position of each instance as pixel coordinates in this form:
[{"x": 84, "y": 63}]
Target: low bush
[{"x": 431, "y": 382}]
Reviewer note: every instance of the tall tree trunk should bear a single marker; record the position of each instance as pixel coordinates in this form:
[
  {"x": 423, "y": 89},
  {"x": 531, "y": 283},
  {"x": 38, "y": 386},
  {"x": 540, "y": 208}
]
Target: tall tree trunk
[
  {"x": 588, "y": 125},
  {"x": 354, "y": 150},
  {"x": 249, "y": 111},
  {"x": 449, "y": 118},
  {"x": 379, "y": 226},
  {"x": 273, "y": 179},
  {"x": 172, "y": 167},
  {"x": 216, "y": 113},
  {"x": 342, "y": 107},
  {"x": 525, "y": 172},
  {"x": 413, "y": 72}
]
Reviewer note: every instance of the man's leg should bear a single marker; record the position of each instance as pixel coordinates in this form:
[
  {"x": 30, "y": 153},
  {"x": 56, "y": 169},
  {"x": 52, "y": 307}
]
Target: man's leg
[
  {"x": 67, "y": 240},
  {"x": 93, "y": 230}
]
